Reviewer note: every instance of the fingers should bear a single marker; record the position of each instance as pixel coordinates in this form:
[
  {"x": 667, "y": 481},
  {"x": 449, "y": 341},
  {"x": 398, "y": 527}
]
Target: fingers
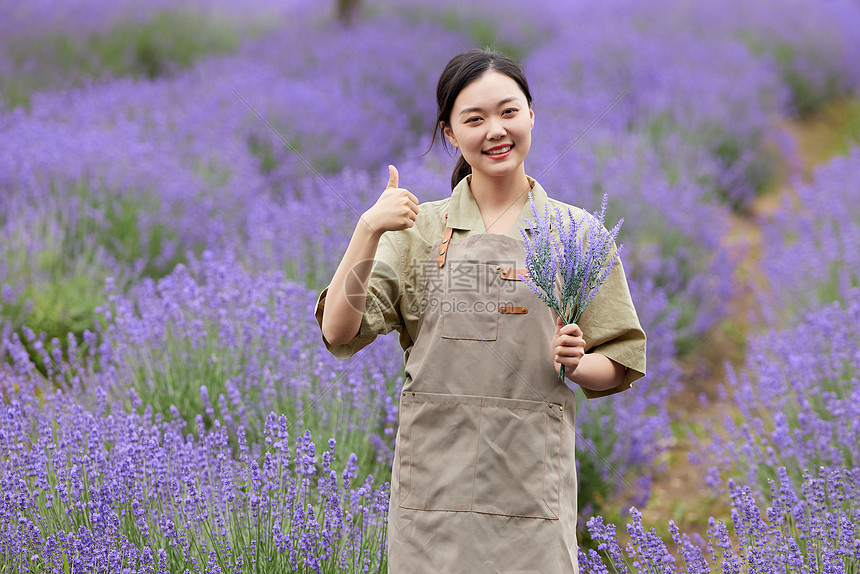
[
  {"x": 412, "y": 204},
  {"x": 568, "y": 346},
  {"x": 570, "y": 329},
  {"x": 394, "y": 178},
  {"x": 569, "y": 351},
  {"x": 568, "y": 340},
  {"x": 414, "y": 199}
]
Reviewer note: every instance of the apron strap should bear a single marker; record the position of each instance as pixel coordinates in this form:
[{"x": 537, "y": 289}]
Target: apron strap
[
  {"x": 508, "y": 309},
  {"x": 443, "y": 247},
  {"x": 513, "y": 274}
]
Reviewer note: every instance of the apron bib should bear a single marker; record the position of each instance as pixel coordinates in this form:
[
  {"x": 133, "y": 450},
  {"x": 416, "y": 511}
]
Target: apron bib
[{"x": 484, "y": 476}]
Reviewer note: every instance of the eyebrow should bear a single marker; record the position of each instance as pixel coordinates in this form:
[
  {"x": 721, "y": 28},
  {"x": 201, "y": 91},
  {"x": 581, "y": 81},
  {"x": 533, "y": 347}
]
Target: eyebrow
[{"x": 479, "y": 109}]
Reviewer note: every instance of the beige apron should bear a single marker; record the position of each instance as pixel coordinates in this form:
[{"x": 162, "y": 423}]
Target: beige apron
[{"x": 484, "y": 477}]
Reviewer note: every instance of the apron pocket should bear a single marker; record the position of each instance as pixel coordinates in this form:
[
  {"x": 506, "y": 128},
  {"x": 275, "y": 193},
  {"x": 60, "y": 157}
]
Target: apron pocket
[
  {"x": 479, "y": 454},
  {"x": 436, "y": 454},
  {"x": 518, "y": 466},
  {"x": 470, "y": 302}
]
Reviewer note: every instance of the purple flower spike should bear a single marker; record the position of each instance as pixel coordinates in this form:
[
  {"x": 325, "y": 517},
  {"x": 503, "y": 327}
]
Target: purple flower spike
[{"x": 582, "y": 254}]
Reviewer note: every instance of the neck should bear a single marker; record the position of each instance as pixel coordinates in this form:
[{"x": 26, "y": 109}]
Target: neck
[{"x": 500, "y": 193}]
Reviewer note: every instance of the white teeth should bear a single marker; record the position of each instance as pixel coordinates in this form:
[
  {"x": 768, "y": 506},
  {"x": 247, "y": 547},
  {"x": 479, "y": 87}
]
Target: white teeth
[{"x": 499, "y": 151}]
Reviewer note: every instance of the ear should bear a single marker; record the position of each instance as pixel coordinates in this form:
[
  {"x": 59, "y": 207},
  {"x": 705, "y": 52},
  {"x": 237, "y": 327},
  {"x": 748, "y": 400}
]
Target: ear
[
  {"x": 449, "y": 134},
  {"x": 532, "y": 115}
]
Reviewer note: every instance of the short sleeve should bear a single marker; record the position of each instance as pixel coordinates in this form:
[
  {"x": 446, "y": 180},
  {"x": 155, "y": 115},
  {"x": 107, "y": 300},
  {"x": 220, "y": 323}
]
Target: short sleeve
[
  {"x": 611, "y": 327},
  {"x": 381, "y": 310}
]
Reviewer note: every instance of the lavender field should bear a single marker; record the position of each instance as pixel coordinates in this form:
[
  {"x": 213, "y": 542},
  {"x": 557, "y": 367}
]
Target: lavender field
[{"x": 178, "y": 181}]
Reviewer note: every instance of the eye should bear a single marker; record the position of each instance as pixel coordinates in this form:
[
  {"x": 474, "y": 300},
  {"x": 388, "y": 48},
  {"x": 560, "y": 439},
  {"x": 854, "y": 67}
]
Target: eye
[
  {"x": 473, "y": 119},
  {"x": 509, "y": 111}
]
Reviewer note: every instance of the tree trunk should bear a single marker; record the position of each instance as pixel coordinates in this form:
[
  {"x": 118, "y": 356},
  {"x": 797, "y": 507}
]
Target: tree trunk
[{"x": 347, "y": 9}]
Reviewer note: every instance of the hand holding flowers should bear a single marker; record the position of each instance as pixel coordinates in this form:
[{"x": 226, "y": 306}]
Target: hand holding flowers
[
  {"x": 568, "y": 346},
  {"x": 581, "y": 256}
]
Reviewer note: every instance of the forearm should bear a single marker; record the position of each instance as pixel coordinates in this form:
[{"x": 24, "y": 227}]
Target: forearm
[
  {"x": 598, "y": 372},
  {"x": 347, "y": 293}
]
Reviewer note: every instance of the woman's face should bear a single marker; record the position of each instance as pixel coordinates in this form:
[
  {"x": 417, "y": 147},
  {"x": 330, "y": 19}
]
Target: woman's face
[{"x": 491, "y": 124}]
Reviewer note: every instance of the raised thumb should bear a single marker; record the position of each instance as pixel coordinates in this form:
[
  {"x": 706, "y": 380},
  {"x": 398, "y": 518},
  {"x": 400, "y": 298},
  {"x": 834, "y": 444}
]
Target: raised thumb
[{"x": 393, "y": 177}]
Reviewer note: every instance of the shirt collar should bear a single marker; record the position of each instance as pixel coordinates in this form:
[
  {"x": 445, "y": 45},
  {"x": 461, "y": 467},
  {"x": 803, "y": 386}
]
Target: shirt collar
[{"x": 463, "y": 212}]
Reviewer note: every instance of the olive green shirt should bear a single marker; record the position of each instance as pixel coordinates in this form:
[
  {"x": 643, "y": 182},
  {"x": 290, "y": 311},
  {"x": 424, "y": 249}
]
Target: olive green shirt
[{"x": 609, "y": 325}]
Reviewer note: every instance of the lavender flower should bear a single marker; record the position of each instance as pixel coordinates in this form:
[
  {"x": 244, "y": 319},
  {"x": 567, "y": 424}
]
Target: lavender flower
[
  {"x": 813, "y": 530},
  {"x": 141, "y": 460},
  {"x": 798, "y": 407},
  {"x": 582, "y": 255}
]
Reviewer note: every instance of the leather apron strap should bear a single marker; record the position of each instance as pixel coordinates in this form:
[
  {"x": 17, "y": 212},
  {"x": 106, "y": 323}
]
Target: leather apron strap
[{"x": 443, "y": 247}]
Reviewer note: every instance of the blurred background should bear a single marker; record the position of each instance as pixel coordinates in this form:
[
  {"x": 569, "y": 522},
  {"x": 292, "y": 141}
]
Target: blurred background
[{"x": 178, "y": 181}]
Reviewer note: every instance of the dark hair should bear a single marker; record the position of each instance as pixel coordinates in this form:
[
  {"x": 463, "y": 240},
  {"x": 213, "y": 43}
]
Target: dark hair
[{"x": 462, "y": 70}]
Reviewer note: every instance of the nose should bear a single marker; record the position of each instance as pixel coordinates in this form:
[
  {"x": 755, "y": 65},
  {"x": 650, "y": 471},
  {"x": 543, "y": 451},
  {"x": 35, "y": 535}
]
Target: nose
[{"x": 496, "y": 129}]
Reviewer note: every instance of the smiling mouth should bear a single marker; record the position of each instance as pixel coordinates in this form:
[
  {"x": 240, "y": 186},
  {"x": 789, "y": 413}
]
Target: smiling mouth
[{"x": 498, "y": 151}]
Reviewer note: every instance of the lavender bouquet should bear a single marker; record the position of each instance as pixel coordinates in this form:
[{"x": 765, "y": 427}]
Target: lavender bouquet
[{"x": 582, "y": 253}]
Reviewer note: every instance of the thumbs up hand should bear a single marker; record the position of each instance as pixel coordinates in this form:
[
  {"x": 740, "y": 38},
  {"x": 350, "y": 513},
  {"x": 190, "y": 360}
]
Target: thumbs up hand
[{"x": 395, "y": 210}]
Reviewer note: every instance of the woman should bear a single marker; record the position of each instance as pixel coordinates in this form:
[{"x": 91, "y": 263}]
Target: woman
[{"x": 484, "y": 477}]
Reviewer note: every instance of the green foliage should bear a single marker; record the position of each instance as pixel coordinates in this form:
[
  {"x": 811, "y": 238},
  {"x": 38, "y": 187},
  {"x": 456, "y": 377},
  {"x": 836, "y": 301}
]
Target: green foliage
[
  {"x": 851, "y": 126},
  {"x": 58, "y": 280},
  {"x": 830, "y": 291},
  {"x": 807, "y": 97},
  {"x": 246, "y": 525},
  {"x": 126, "y": 240},
  {"x": 652, "y": 239},
  {"x": 726, "y": 148},
  {"x": 59, "y": 261},
  {"x": 843, "y": 125},
  {"x": 608, "y": 485},
  {"x": 481, "y": 31},
  {"x": 167, "y": 41},
  {"x": 803, "y": 415},
  {"x": 263, "y": 150},
  {"x": 244, "y": 382},
  {"x": 594, "y": 489}
]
